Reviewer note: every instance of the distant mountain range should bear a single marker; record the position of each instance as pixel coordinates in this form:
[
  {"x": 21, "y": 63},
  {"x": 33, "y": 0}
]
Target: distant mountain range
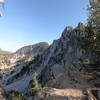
[{"x": 4, "y": 52}]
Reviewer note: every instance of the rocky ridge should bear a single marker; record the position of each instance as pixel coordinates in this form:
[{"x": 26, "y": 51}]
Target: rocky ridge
[{"x": 63, "y": 65}]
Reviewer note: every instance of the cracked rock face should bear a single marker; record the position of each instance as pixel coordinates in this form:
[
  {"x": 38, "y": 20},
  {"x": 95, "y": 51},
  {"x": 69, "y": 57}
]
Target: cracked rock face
[{"x": 62, "y": 58}]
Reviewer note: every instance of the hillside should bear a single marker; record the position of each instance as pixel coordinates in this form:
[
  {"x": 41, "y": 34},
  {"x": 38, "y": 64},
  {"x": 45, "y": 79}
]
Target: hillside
[
  {"x": 23, "y": 54},
  {"x": 31, "y": 50},
  {"x": 62, "y": 65},
  {"x": 3, "y": 54},
  {"x": 14, "y": 63}
]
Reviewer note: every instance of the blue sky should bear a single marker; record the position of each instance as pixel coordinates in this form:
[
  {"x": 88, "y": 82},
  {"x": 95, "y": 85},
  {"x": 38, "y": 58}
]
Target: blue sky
[{"x": 28, "y": 22}]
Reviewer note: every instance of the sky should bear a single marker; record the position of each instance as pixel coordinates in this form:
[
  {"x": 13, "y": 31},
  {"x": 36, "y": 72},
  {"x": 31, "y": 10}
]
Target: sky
[{"x": 27, "y": 22}]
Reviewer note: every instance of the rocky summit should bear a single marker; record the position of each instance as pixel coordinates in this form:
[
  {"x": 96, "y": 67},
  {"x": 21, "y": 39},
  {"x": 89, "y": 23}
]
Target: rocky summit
[{"x": 65, "y": 70}]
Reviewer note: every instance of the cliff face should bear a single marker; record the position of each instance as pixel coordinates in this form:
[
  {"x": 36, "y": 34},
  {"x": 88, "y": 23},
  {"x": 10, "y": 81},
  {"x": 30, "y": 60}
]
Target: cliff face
[
  {"x": 64, "y": 63},
  {"x": 69, "y": 70}
]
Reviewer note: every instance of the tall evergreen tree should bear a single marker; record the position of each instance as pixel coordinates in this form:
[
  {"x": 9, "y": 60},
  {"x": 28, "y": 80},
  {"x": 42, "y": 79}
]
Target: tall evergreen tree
[
  {"x": 94, "y": 13},
  {"x": 81, "y": 27},
  {"x": 94, "y": 25}
]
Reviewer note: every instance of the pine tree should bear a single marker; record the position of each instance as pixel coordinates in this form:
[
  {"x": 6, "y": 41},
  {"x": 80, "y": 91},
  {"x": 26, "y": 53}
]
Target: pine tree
[
  {"x": 81, "y": 27},
  {"x": 36, "y": 84},
  {"x": 94, "y": 20},
  {"x": 94, "y": 13}
]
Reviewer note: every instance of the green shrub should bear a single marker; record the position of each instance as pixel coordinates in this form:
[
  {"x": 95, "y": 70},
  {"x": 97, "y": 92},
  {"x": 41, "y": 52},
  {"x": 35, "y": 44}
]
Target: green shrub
[
  {"x": 10, "y": 69},
  {"x": 16, "y": 95},
  {"x": 36, "y": 84}
]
